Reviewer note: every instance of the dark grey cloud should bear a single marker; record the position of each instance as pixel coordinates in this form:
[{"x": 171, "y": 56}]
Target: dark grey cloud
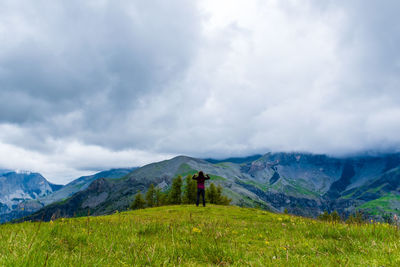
[
  {"x": 122, "y": 83},
  {"x": 97, "y": 58}
]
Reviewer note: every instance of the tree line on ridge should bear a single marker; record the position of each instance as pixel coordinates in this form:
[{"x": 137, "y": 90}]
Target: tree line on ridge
[{"x": 179, "y": 193}]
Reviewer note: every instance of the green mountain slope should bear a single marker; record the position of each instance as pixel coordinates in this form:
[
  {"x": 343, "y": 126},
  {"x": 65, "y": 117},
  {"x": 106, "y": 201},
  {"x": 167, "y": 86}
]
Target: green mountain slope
[{"x": 197, "y": 236}]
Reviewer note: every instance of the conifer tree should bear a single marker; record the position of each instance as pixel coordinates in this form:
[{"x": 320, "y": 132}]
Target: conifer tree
[
  {"x": 221, "y": 199},
  {"x": 163, "y": 199},
  {"x": 211, "y": 194},
  {"x": 335, "y": 217},
  {"x": 357, "y": 218},
  {"x": 139, "y": 202},
  {"x": 157, "y": 197},
  {"x": 285, "y": 211},
  {"x": 175, "y": 195},
  {"x": 189, "y": 193},
  {"x": 324, "y": 216},
  {"x": 150, "y": 196},
  {"x": 214, "y": 195}
]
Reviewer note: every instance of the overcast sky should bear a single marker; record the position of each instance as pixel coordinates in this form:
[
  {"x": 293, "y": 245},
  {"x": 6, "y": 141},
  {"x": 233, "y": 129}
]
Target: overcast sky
[{"x": 91, "y": 85}]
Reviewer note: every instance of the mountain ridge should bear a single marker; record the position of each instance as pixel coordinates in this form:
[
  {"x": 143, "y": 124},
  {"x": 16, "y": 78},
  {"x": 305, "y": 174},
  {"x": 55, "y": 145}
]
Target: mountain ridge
[
  {"x": 28, "y": 203},
  {"x": 303, "y": 183},
  {"x": 17, "y": 187}
]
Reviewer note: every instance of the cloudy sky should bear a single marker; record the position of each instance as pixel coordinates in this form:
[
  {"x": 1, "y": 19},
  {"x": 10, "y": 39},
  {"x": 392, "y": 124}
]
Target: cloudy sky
[{"x": 91, "y": 85}]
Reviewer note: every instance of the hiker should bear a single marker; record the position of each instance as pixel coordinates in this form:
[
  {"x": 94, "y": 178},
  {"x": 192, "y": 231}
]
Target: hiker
[{"x": 200, "y": 178}]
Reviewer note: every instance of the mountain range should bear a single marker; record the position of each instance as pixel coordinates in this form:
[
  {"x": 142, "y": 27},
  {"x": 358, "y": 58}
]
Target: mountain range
[
  {"x": 17, "y": 187},
  {"x": 22, "y": 193},
  {"x": 303, "y": 184}
]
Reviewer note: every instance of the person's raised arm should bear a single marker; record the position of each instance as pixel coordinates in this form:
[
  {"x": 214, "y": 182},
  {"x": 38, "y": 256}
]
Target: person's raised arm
[
  {"x": 207, "y": 177},
  {"x": 194, "y": 177}
]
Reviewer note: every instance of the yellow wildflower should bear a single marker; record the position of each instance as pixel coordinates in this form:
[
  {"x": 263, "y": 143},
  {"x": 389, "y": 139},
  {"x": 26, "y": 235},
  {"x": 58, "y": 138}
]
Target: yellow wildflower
[
  {"x": 196, "y": 230},
  {"x": 266, "y": 242}
]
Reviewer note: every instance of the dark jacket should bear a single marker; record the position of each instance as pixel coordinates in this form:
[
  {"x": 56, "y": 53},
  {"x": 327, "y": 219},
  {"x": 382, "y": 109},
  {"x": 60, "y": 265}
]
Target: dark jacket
[{"x": 200, "y": 180}]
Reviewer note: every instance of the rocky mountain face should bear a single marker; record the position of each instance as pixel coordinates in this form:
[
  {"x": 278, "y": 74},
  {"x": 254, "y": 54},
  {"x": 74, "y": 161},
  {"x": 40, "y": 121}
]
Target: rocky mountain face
[
  {"x": 18, "y": 187},
  {"x": 83, "y": 183},
  {"x": 24, "y": 193},
  {"x": 304, "y": 184}
]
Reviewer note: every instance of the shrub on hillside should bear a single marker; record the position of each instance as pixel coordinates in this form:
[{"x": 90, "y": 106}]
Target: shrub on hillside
[
  {"x": 139, "y": 202},
  {"x": 330, "y": 217},
  {"x": 357, "y": 218}
]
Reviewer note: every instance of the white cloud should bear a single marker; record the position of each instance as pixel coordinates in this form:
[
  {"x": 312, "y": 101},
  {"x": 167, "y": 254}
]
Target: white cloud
[
  {"x": 128, "y": 83},
  {"x": 70, "y": 160}
]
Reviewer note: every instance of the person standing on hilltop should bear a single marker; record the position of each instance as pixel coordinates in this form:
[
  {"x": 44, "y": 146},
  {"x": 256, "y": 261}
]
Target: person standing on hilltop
[{"x": 200, "y": 178}]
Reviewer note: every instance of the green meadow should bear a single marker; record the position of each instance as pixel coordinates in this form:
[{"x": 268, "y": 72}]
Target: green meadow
[{"x": 196, "y": 236}]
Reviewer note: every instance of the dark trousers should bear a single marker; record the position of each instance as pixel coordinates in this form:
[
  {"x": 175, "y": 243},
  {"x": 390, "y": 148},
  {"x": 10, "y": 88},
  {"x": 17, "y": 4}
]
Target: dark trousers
[{"x": 200, "y": 191}]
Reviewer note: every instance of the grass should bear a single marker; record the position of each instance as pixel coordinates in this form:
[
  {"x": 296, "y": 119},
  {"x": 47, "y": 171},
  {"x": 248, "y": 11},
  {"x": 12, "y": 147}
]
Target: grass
[
  {"x": 185, "y": 169},
  {"x": 261, "y": 186},
  {"x": 350, "y": 194},
  {"x": 353, "y": 191},
  {"x": 237, "y": 198},
  {"x": 217, "y": 178},
  {"x": 224, "y": 164},
  {"x": 382, "y": 205},
  {"x": 297, "y": 188},
  {"x": 196, "y": 236}
]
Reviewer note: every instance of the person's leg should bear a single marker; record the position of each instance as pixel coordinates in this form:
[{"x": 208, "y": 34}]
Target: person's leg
[
  {"x": 204, "y": 197},
  {"x": 198, "y": 197}
]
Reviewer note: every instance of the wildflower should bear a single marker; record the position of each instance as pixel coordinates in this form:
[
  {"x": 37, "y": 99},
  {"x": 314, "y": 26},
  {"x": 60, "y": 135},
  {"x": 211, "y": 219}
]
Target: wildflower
[
  {"x": 196, "y": 230},
  {"x": 266, "y": 242},
  {"x": 51, "y": 222},
  {"x": 372, "y": 221},
  {"x": 284, "y": 248},
  {"x": 280, "y": 219},
  {"x": 234, "y": 232},
  {"x": 260, "y": 235}
]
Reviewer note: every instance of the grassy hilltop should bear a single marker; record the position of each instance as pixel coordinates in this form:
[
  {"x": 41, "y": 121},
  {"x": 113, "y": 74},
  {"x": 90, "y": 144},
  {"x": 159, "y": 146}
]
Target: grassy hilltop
[{"x": 192, "y": 236}]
